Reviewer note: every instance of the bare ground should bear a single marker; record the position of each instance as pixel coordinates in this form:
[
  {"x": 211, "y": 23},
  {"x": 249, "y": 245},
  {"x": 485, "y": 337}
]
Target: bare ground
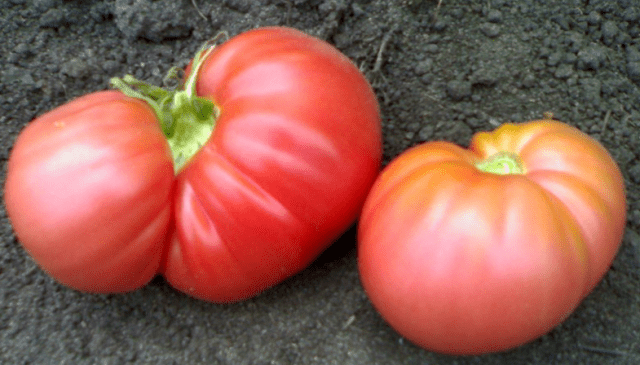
[{"x": 474, "y": 65}]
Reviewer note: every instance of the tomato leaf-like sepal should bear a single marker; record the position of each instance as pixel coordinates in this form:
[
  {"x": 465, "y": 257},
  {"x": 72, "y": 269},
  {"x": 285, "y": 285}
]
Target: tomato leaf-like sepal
[
  {"x": 186, "y": 119},
  {"x": 502, "y": 163}
]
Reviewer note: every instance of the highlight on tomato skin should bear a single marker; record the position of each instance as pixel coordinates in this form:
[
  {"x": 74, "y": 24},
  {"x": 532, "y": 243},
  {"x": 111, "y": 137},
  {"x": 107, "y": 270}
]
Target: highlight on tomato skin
[
  {"x": 87, "y": 198},
  {"x": 293, "y": 155},
  {"x": 479, "y": 250},
  {"x": 225, "y": 187}
]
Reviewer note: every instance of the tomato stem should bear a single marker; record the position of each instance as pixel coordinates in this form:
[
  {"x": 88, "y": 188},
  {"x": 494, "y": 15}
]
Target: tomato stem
[
  {"x": 502, "y": 163},
  {"x": 186, "y": 119}
]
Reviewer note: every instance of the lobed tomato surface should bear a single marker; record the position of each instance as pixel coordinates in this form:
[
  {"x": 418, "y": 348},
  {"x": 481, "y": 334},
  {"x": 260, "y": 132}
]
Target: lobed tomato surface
[
  {"x": 92, "y": 193},
  {"x": 468, "y": 251}
]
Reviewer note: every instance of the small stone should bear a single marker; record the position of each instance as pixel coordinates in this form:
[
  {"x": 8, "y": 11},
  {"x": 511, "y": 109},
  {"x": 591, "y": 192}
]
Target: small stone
[
  {"x": 561, "y": 21},
  {"x": 357, "y": 10},
  {"x": 633, "y": 71},
  {"x": 592, "y": 89},
  {"x": 431, "y": 48},
  {"x": 151, "y": 20},
  {"x": 569, "y": 58},
  {"x": 594, "y": 18},
  {"x": 538, "y": 65},
  {"x": 609, "y": 32},
  {"x": 439, "y": 25},
  {"x": 458, "y": 90},
  {"x": 27, "y": 79},
  {"x": 591, "y": 58},
  {"x": 494, "y": 16},
  {"x": 12, "y": 74},
  {"x": 110, "y": 67},
  {"x": 426, "y": 79},
  {"x": 426, "y": 132},
  {"x": 487, "y": 77},
  {"x": 544, "y": 52},
  {"x": 42, "y": 6},
  {"x": 457, "y": 13},
  {"x": 424, "y": 66},
  {"x": 574, "y": 42},
  {"x": 76, "y": 68},
  {"x": 242, "y": 6},
  {"x": 22, "y": 49},
  {"x": 630, "y": 15},
  {"x": 632, "y": 54},
  {"x": 529, "y": 81},
  {"x": 490, "y": 30},
  {"x": 53, "y": 18},
  {"x": 554, "y": 59},
  {"x": 564, "y": 71}
]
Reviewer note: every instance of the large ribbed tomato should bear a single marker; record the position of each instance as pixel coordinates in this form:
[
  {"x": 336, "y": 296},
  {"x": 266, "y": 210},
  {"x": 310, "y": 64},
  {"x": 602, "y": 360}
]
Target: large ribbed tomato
[
  {"x": 468, "y": 251},
  {"x": 226, "y": 188}
]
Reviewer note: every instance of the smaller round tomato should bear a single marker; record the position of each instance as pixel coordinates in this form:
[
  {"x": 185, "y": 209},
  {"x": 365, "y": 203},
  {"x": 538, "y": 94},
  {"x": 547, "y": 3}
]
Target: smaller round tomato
[{"x": 469, "y": 251}]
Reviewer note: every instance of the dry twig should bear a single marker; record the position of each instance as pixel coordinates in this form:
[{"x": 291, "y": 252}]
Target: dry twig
[
  {"x": 385, "y": 40},
  {"x": 435, "y": 14},
  {"x": 198, "y": 9}
]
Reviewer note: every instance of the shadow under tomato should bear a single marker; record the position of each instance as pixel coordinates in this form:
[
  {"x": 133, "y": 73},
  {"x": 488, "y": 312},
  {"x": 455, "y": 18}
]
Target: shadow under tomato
[{"x": 342, "y": 247}]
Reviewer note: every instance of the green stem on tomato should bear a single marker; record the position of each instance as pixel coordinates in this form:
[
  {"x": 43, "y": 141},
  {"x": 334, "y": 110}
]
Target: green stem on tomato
[
  {"x": 186, "y": 119},
  {"x": 502, "y": 163}
]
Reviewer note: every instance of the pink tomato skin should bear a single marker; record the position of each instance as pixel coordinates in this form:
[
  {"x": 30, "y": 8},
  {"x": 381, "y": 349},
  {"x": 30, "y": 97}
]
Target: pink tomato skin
[
  {"x": 87, "y": 192},
  {"x": 463, "y": 261},
  {"x": 93, "y": 196},
  {"x": 292, "y": 157}
]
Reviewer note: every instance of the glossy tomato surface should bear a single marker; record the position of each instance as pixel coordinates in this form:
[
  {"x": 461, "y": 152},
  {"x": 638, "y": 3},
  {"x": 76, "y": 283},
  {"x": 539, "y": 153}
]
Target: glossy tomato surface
[
  {"x": 92, "y": 194},
  {"x": 286, "y": 171},
  {"x": 88, "y": 192},
  {"x": 461, "y": 260}
]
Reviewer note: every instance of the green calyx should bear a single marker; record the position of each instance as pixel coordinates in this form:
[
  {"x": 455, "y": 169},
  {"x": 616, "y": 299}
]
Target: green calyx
[
  {"x": 187, "y": 120},
  {"x": 502, "y": 163}
]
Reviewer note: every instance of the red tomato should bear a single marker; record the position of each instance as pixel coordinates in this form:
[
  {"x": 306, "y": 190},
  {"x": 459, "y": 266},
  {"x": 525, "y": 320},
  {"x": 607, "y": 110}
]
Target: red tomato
[
  {"x": 468, "y": 251},
  {"x": 92, "y": 193}
]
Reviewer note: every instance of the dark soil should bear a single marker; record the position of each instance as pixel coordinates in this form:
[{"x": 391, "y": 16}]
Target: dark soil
[{"x": 475, "y": 65}]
